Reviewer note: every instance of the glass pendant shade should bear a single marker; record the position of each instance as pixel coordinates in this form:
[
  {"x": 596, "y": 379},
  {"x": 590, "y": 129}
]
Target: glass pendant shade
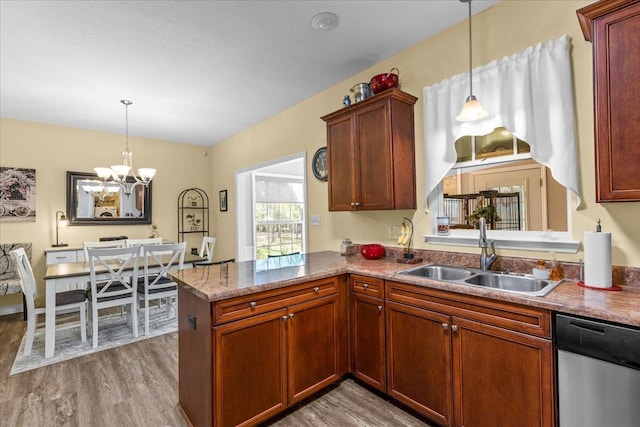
[{"x": 472, "y": 110}]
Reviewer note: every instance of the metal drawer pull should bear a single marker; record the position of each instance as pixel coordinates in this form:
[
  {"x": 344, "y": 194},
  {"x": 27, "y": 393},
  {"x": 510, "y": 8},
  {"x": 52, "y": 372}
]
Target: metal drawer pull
[
  {"x": 316, "y": 289},
  {"x": 291, "y": 316},
  {"x": 365, "y": 285},
  {"x": 284, "y": 317},
  {"x": 445, "y": 326},
  {"x": 454, "y": 328},
  {"x": 252, "y": 304},
  {"x": 379, "y": 308}
]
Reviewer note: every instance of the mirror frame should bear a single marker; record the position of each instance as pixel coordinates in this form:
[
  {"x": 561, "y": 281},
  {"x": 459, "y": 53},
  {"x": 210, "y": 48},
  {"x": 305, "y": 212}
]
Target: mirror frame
[{"x": 72, "y": 203}]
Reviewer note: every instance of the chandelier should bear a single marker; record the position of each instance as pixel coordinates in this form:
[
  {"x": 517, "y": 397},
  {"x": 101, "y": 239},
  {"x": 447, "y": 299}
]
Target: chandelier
[
  {"x": 118, "y": 174},
  {"x": 472, "y": 109}
]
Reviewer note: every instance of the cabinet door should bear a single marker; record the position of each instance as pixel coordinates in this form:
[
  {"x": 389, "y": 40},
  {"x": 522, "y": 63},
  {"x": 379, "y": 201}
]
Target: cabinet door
[
  {"x": 615, "y": 33},
  {"x": 312, "y": 331},
  {"x": 419, "y": 360},
  {"x": 367, "y": 340},
  {"x": 250, "y": 367},
  {"x": 374, "y": 168},
  {"x": 501, "y": 377},
  {"x": 341, "y": 163}
]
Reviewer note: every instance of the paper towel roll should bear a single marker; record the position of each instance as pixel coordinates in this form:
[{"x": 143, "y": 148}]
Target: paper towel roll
[{"x": 597, "y": 259}]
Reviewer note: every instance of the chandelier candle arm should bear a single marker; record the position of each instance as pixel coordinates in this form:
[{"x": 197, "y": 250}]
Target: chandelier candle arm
[
  {"x": 118, "y": 173},
  {"x": 472, "y": 109}
]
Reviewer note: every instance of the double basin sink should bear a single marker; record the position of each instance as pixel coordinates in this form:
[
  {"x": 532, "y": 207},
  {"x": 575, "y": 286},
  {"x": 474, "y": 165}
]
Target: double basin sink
[{"x": 508, "y": 282}]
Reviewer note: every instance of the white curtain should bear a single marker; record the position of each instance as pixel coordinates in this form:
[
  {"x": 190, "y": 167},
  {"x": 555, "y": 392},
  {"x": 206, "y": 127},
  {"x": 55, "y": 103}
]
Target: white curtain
[{"x": 529, "y": 93}]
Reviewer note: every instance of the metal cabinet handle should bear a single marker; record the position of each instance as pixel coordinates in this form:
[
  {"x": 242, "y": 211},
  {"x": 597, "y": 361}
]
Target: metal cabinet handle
[
  {"x": 291, "y": 316},
  {"x": 356, "y": 204},
  {"x": 252, "y": 304},
  {"x": 353, "y": 203},
  {"x": 284, "y": 317},
  {"x": 454, "y": 328},
  {"x": 379, "y": 308},
  {"x": 365, "y": 285},
  {"x": 445, "y": 326},
  {"x": 316, "y": 289}
]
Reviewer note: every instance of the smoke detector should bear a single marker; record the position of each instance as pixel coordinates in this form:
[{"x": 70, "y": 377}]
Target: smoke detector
[{"x": 325, "y": 21}]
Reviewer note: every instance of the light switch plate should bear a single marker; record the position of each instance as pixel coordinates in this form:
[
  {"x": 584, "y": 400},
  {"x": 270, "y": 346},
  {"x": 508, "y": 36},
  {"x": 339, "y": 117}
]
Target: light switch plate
[{"x": 315, "y": 219}]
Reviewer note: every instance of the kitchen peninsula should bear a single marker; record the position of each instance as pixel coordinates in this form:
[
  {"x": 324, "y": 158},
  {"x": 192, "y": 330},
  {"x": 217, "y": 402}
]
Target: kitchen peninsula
[{"x": 258, "y": 337}]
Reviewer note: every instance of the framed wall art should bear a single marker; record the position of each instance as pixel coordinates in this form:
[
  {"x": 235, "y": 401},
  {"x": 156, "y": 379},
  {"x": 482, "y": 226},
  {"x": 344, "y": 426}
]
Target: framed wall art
[
  {"x": 223, "y": 201},
  {"x": 17, "y": 195}
]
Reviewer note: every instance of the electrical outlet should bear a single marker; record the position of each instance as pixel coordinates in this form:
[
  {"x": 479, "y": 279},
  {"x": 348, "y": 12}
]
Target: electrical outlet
[
  {"x": 315, "y": 220},
  {"x": 393, "y": 233}
]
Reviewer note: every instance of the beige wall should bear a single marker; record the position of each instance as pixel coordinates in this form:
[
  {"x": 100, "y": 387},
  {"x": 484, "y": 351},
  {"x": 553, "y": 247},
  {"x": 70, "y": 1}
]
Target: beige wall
[
  {"x": 54, "y": 150},
  {"x": 502, "y": 30}
]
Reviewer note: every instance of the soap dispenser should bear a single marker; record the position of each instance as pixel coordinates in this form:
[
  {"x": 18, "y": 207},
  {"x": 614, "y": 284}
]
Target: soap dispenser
[{"x": 555, "y": 269}]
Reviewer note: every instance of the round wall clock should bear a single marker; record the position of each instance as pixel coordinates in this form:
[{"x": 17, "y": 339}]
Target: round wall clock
[{"x": 319, "y": 164}]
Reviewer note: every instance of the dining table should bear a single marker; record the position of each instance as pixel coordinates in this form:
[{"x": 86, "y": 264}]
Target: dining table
[{"x": 60, "y": 277}]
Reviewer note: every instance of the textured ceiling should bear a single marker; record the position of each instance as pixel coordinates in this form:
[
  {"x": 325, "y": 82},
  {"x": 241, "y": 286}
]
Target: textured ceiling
[{"x": 197, "y": 72}]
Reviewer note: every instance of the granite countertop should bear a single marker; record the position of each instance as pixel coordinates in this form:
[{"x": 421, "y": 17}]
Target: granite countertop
[{"x": 218, "y": 282}]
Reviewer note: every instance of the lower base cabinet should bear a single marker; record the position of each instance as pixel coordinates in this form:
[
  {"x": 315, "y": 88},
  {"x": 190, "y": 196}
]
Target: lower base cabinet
[
  {"x": 466, "y": 361},
  {"x": 243, "y": 360},
  {"x": 459, "y": 360},
  {"x": 419, "y": 360},
  {"x": 501, "y": 377}
]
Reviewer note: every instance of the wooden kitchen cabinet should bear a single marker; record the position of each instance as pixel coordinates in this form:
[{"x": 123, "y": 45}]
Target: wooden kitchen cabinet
[
  {"x": 250, "y": 369},
  {"x": 371, "y": 154},
  {"x": 468, "y": 361},
  {"x": 367, "y": 331},
  {"x": 313, "y": 347},
  {"x": 501, "y": 377},
  {"x": 419, "y": 360},
  {"x": 274, "y": 349},
  {"x": 613, "y": 26}
]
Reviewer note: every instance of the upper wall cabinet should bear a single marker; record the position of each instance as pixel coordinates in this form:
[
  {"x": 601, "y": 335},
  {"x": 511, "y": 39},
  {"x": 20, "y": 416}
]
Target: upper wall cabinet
[
  {"x": 613, "y": 26},
  {"x": 371, "y": 154}
]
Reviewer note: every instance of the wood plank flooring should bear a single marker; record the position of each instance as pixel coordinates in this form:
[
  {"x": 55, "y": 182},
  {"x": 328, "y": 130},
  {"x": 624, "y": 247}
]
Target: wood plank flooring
[{"x": 137, "y": 385}]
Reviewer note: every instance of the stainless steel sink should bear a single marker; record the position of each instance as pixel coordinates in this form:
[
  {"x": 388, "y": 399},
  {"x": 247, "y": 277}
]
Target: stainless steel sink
[
  {"x": 507, "y": 282},
  {"x": 516, "y": 283},
  {"x": 439, "y": 272}
]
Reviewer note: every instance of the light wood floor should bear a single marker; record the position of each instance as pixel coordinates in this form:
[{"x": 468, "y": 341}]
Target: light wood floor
[{"x": 137, "y": 385}]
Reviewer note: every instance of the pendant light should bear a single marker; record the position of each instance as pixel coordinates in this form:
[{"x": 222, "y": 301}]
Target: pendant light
[
  {"x": 472, "y": 109},
  {"x": 118, "y": 173}
]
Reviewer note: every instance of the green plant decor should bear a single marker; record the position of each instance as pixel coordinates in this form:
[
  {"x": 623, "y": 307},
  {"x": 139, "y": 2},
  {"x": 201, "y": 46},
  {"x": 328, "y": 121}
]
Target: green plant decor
[{"x": 487, "y": 212}]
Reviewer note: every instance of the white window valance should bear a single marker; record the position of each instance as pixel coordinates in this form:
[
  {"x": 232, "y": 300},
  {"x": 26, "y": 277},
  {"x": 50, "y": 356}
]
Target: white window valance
[{"x": 530, "y": 93}]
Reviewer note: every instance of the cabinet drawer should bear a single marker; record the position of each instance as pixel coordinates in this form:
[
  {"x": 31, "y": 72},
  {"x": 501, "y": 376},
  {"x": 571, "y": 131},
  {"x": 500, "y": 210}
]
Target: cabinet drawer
[
  {"x": 58, "y": 257},
  {"x": 367, "y": 286},
  {"x": 520, "y": 318},
  {"x": 263, "y": 302}
]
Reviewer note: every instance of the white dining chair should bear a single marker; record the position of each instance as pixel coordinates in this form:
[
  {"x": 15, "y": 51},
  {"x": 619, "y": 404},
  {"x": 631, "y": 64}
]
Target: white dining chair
[
  {"x": 156, "y": 284},
  {"x": 102, "y": 244},
  {"x": 114, "y": 278},
  {"x": 147, "y": 241},
  {"x": 206, "y": 249},
  {"x": 66, "y": 301}
]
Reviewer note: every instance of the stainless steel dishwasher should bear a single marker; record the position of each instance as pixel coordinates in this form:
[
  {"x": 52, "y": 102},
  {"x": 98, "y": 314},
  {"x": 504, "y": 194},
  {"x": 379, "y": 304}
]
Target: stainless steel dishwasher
[{"x": 598, "y": 373}]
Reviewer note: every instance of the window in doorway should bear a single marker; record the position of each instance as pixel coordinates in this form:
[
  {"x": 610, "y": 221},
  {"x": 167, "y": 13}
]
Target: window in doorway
[{"x": 271, "y": 214}]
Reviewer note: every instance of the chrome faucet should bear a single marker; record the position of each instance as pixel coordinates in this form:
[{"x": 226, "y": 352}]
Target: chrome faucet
[{"x": 485, "y": 259}]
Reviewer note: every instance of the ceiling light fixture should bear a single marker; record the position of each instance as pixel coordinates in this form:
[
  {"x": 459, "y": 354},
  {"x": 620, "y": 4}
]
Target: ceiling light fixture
[
  {"x": 119, "y": 173},
  {"x": 472, "y": 109},
  {"x": 324, "y": 21}
]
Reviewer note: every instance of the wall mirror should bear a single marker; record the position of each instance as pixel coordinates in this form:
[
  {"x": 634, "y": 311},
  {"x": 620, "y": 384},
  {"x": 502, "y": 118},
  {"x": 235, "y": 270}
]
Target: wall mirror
[{"x": 90, "y": 201}]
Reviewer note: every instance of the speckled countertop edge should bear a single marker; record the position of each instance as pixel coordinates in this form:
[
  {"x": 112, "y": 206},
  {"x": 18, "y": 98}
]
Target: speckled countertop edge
[{"x": 218, "y": 282}]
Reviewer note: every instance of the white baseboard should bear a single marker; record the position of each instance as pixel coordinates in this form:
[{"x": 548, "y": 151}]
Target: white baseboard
[{"x": 10, "y": 309}]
